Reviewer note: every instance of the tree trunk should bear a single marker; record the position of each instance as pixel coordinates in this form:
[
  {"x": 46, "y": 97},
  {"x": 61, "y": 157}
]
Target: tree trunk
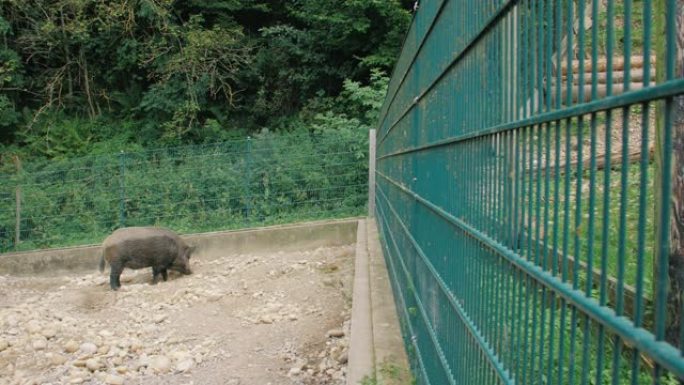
[{"x": 670, "y": 204}]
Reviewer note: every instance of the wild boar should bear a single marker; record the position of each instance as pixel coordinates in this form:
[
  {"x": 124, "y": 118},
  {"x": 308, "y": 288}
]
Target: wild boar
[{"x": 140, "y": 247}]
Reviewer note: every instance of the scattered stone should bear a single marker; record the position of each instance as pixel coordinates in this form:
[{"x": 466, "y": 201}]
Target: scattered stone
[
  {"x": 336, "y": 333},
  {"x": 57, "y": 359},
  {"x": 185, "y": 365},
  {"x": 48, "y": 332},
  {"x": 4, "y": 344},
  {"x": 136, "y": 346},
  {"x": 160, "y": 318},
  {"x": 160, "y": 364},
  {"x": 104, "y": 349},
  {"x": 39, "y": 343},
  {"x": 180, "y": 355},
  {"x": 33, "y": 327},
  {"x": 343, "y": 358},
  {"x": 93, "y": 364},
  {"x": 295, "y": 371},
  {"x": 79, "y": 363},
  {"x": 100, "y": 376},
  {"x": 114, "y": 380},
  {"x": 121, "y": 369},
  {"x": 88, "y": 348},
  {"x": 141, "y": 363}
]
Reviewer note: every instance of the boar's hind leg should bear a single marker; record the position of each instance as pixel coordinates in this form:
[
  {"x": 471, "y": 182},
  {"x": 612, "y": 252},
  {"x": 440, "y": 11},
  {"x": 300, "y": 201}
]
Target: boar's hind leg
[
  {"x": 115, "y": 275},
  {"x": 164, "y": 274}
]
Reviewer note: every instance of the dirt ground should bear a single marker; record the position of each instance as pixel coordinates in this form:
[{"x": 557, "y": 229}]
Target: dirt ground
[{"x": 274, "y": 319}]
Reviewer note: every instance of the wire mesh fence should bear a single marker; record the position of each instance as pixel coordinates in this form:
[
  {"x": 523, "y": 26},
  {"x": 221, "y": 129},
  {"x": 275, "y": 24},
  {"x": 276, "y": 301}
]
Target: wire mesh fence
[
  {"x": 530, "y": 195},
  {"x": 268, "y": 179}
]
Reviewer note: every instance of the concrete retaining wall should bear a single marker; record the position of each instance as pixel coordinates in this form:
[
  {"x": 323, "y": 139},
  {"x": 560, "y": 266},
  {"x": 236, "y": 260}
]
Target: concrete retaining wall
[{"x": 212, "y": 245}]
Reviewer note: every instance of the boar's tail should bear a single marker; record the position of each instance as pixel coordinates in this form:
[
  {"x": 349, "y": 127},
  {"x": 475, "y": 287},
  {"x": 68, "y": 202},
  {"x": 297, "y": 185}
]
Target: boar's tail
[{"x": 102, "y": 262}]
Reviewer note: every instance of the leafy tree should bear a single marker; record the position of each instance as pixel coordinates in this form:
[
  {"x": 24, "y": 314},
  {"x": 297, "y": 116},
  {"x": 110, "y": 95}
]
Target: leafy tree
[{"x": 74, "y": 73}]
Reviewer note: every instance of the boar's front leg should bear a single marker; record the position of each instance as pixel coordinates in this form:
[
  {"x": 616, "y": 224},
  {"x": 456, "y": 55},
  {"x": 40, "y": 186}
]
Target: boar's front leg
[
  {"x": 155, "y": 274},
  {"x": 164, "y": 274},
  {"x": 116, "y": 269}
]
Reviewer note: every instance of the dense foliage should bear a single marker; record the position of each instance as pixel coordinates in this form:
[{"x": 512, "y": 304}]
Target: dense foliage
[
  {"x": 86, "y": 76},
  {"x": 314, "y": 172}
]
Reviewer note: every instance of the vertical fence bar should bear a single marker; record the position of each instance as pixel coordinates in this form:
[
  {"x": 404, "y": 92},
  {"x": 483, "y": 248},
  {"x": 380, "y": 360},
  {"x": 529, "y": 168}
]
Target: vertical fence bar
[
  {"x": 122, "y": 189},
  {"x": 371, "y": 172},
  {"x": 17, "y": 199}
]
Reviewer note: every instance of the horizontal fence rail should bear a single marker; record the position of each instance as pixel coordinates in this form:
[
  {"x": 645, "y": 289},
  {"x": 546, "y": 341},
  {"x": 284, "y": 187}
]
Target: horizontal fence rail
[
  {"x": 530, "y": 191},
  {"x": 268, "y": 179}
]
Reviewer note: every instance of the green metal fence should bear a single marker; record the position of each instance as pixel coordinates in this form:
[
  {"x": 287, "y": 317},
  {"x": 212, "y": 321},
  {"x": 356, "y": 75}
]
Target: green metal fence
[
  {"x": 268, "y": 179},
  {"x": 519, "y": 193}
]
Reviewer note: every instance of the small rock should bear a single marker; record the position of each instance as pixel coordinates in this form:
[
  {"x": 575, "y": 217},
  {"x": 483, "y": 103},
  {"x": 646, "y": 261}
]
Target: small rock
[
  {"x": 71, "y": 346},
  {"x": 160, "y": 364},
  {"x": 88, "y": 348},
  {"x": 39, "y": 343},
  {"x": 93, "y": 364},
  {"x": 79, "y": 363},
  {"x": 121, "y": 369},
  {"x": 180, "y": 355},
  {"x": 100, "y": 376},
  {"x": 295, "y": 371},
  {"x": 3, "y": 344},
  {"x": 336, "y": 333},
  {"x": 104, "y": 349},
  {"x": 117, "y": 361},
  {"x": 343, "y": 358},
  {"x": 160, "y": 318},
  {"x": 136, "y": 345},
  {"x": 185, "y": 365},
  {"x": 48, "y": 332},
  {"x": 141, "y": 363},
  {"x": 33, "y": 327},
  {"x": 76, "y": 380},
  {"x": 57, "y": 359},
  {"x": 114, "y": 380}
]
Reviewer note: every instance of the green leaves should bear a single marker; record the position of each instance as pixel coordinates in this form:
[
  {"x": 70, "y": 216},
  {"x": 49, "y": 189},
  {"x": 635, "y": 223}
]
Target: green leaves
[{"x": 171, "y": 66}]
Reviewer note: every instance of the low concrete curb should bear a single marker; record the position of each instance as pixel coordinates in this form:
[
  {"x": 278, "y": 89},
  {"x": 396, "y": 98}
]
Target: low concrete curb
[
  {"x": 391, "y": 363},
  {"x": 376, "y": 348},
  {"x": 361, "y": 360}
]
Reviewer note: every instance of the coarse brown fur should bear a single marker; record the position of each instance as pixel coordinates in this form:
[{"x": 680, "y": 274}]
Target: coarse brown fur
[{"x": 140, "y": 247}]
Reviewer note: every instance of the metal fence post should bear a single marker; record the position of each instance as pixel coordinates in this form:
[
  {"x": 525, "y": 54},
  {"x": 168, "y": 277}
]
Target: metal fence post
[
  {"x": 17, "y": 197},
  {"x": 122, "y": 189},
  {"x": 371, "y": 173},
  {"x": 248, "y": 179}
]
